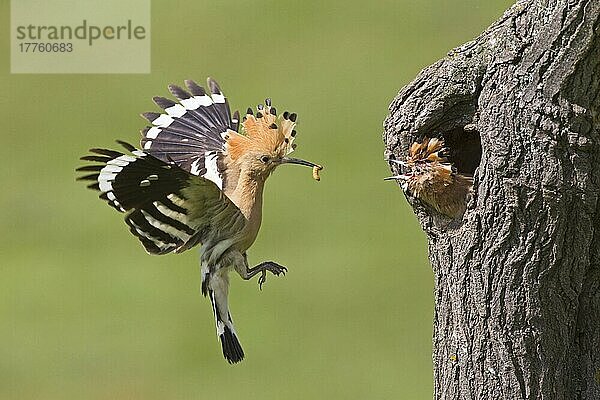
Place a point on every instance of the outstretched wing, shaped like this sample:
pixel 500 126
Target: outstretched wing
pixel 191 132
pixel 169 209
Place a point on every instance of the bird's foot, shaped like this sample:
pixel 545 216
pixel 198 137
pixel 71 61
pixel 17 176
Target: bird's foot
pixel 270 266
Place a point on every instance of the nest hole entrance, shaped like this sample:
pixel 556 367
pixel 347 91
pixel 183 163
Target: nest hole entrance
pixel 463 146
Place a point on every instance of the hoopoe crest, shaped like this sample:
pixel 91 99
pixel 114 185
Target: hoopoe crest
pixel 430 177
pixel 198 179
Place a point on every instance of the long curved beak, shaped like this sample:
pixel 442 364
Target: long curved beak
pixel 315 167
pixel 289 160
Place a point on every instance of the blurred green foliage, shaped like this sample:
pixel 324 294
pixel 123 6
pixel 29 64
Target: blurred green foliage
pixel 86 314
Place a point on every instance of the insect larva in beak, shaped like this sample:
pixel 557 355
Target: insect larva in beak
pixel 316 170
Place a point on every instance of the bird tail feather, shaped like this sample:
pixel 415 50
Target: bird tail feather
pixel 218 290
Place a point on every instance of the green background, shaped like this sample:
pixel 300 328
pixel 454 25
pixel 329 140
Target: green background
pixel 87 314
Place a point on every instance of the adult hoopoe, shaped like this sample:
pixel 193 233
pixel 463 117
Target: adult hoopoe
pixel 429 177
pixel 199 180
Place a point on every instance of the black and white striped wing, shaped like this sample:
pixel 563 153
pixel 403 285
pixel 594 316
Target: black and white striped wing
pixel 169 209
pixel 191 132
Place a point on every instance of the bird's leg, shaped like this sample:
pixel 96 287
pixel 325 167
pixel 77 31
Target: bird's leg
pixel 263 267
pixel 249 273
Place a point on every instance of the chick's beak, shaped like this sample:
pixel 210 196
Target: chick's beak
pixel 403 177
pixel 403 163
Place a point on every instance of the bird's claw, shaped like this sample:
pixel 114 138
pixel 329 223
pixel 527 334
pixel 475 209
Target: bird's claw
pixel 272 267
pixel 262 279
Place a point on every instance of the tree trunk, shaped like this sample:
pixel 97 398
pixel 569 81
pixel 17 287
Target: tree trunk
pixel 517 279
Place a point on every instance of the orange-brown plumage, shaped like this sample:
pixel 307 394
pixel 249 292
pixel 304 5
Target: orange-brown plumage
pixel 430 177
pixel 266 132
pixel 199 180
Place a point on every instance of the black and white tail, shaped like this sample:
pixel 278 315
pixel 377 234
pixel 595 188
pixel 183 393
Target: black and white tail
pixel 217 286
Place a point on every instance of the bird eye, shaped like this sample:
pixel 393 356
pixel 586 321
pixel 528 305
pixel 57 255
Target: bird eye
pixel 264 159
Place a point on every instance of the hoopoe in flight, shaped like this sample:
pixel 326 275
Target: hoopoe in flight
pixel 430 177
pixel 199 180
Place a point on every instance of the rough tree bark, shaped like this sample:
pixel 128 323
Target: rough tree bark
pixel 517 279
